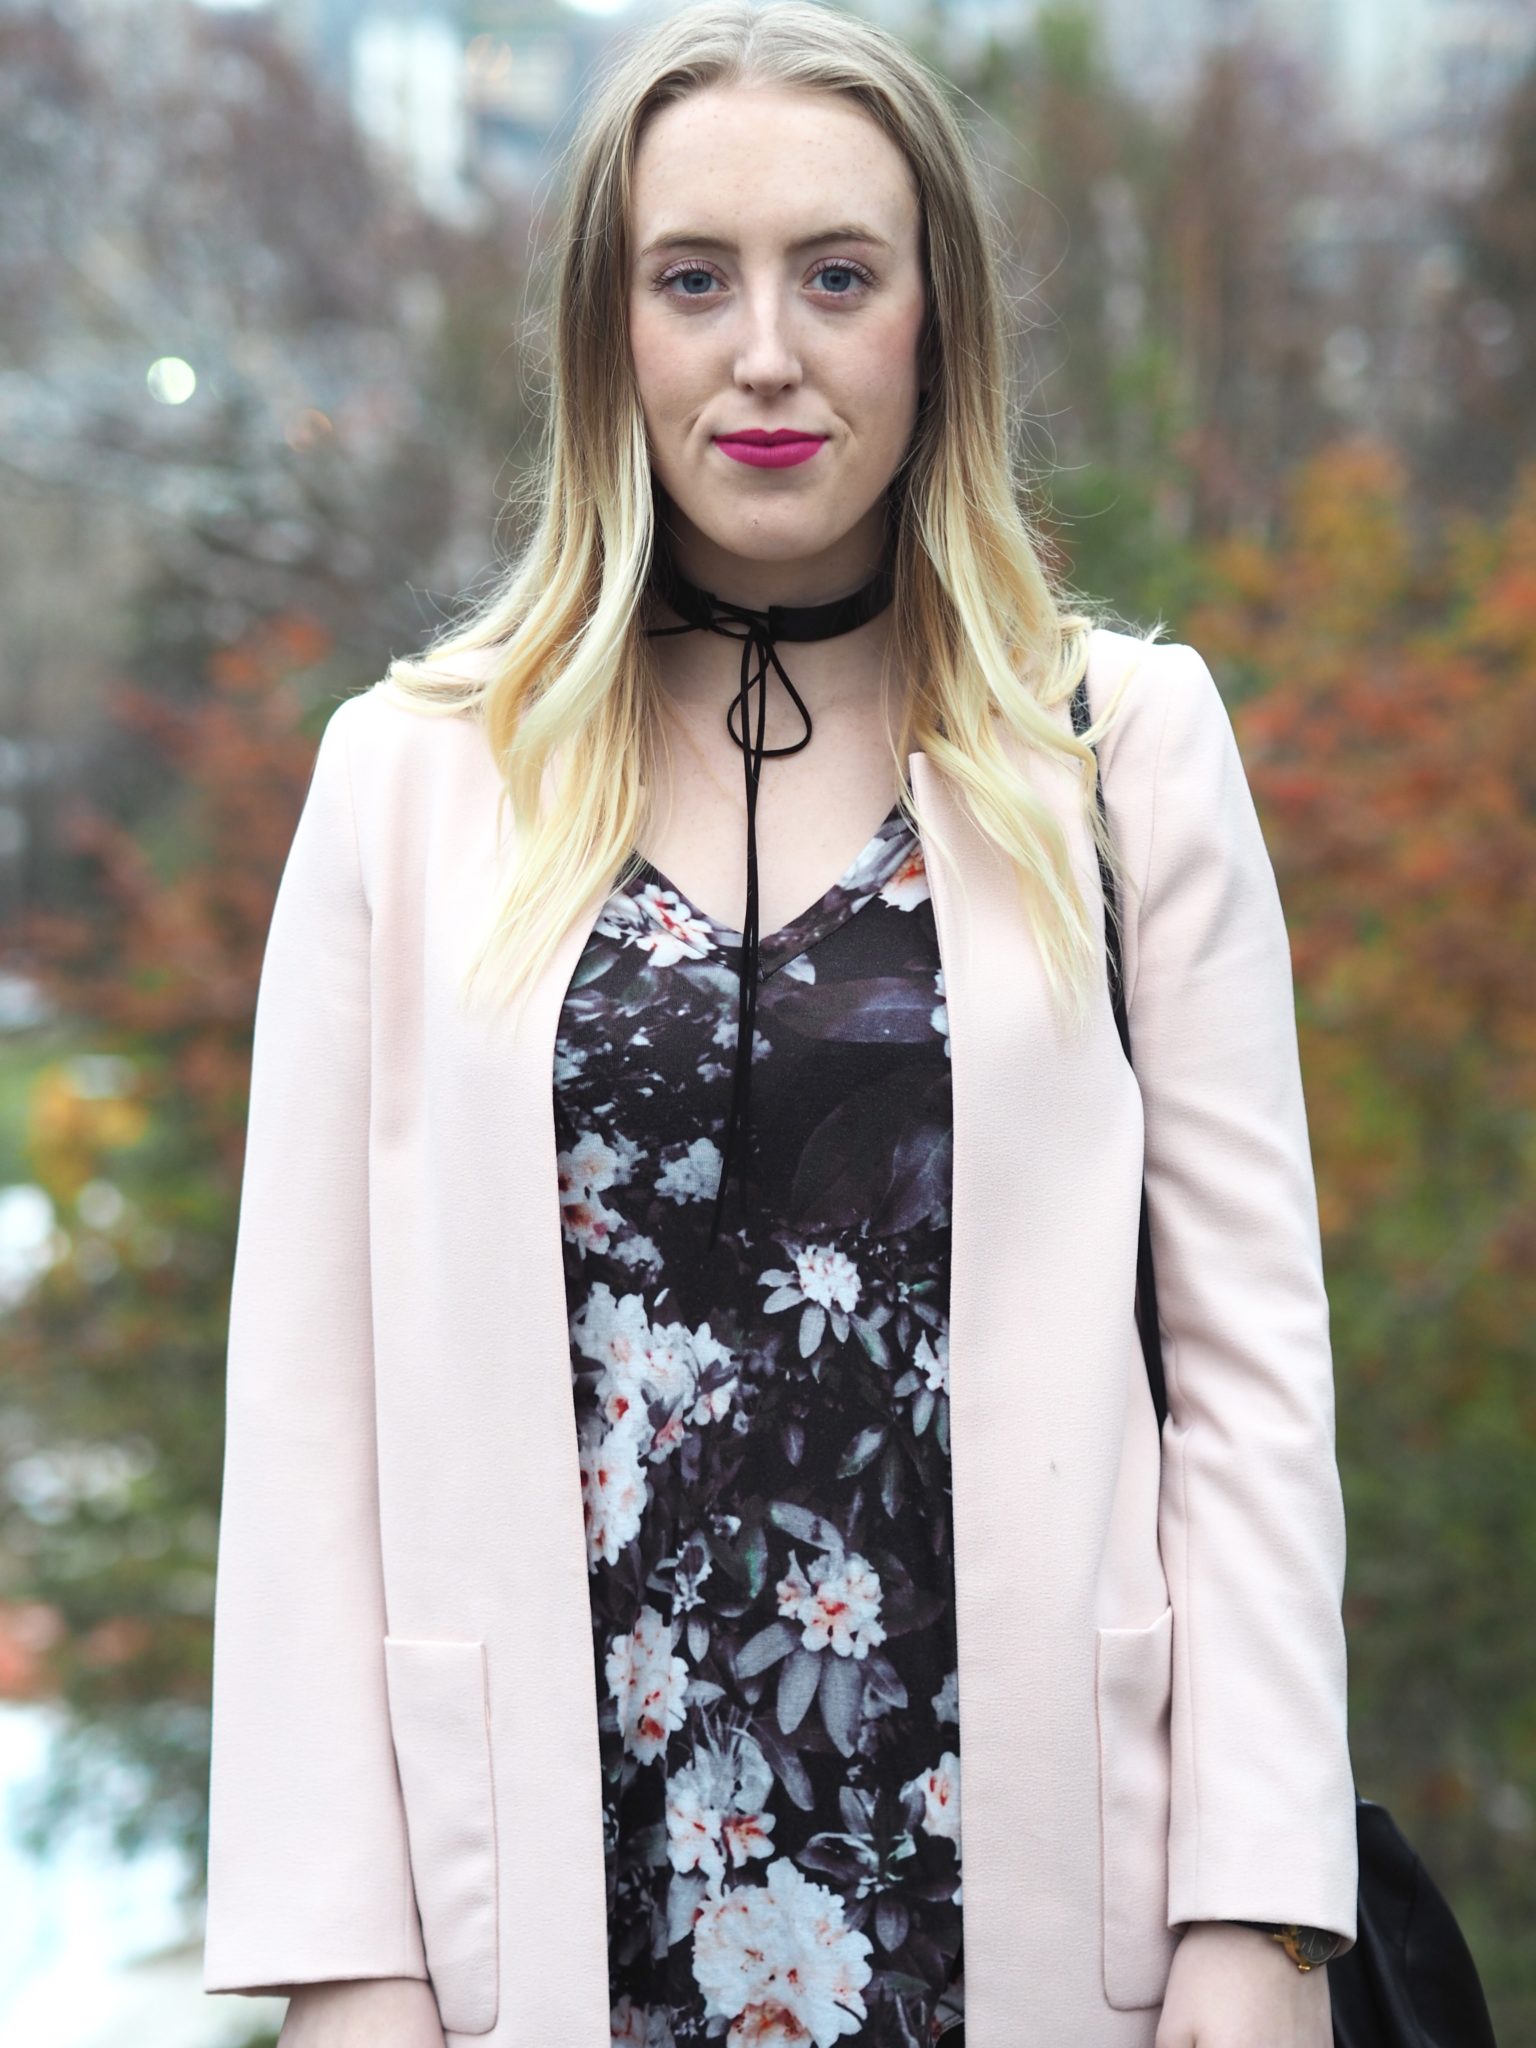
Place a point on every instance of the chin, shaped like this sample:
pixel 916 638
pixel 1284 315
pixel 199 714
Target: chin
pixel 782 530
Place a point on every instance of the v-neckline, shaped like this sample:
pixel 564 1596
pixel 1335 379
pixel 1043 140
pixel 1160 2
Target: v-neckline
pixel 775 948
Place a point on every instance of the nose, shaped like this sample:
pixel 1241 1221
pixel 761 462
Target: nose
pixel 767 358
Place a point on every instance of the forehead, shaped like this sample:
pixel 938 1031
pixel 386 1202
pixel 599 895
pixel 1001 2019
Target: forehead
pixel 770 164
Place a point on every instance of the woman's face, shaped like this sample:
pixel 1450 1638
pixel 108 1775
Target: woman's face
pixel 776 284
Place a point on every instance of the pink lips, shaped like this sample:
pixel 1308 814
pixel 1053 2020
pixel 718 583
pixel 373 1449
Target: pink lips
pixel 770 452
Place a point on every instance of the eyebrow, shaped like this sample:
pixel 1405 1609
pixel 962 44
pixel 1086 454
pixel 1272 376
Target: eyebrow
pixel 700 238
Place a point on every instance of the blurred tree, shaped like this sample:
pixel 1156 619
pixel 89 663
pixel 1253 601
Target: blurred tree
pixel 1207 300
pixel 1075 169
pixel 1496 309
pixel 1254 154
pixel 1181 292
pixel 1382 684
pixel 246 374
pixel 193 334
pixel 111 1432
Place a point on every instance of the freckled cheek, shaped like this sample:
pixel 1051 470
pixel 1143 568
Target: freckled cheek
pixel 886 376
pixel 883 409
pixel 665 374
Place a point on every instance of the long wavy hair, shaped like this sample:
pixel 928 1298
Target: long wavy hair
pixel 553 662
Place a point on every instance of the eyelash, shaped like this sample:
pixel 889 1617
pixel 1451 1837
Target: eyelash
pixel 678 270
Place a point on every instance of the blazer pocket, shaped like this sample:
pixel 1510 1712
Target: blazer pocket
pixel 1133 1687
pixel 439 1710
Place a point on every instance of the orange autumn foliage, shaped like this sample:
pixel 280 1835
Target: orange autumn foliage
pixel 1383 686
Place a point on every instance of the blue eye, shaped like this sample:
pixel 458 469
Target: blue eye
pixel 678 271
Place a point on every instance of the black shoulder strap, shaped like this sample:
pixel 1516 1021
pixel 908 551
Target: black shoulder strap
pixel 1146 1283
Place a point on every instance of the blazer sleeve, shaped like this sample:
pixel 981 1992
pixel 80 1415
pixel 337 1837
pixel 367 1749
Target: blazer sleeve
pixel 1251 1514
pixel 308 1872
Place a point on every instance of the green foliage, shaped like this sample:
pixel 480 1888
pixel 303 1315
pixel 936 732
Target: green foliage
pixel 1388 726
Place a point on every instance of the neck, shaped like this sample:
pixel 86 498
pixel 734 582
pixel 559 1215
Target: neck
pixel 701 671
pixel 835 572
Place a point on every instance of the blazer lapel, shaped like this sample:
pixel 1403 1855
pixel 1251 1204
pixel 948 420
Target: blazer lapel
pixel 1047 1158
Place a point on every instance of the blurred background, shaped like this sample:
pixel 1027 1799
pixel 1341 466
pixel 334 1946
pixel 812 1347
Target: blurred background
pixel 270 349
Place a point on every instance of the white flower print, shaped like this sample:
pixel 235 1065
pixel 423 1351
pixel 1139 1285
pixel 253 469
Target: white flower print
pixel 612 1486
pixel 940 1018
pixel 646 1366
pixel 570 1061
pixel 836 1605
pixel 822 1275
pixel 716 1810
pixel 714 1404
pixel 946 1701
pixel 855 879
pixel 908 886
pixel 824 1285
pixel 639 2026
pixel 591 1165
pixel 673 929
pixel 941 1797
pixel 615 1334
pixel 596 1163
pixel 620 917
pixel 587 1222
pixel 778 1960
pixel 669 1365
pixel 827 1276
pixel 932 1356
pixel 695 1177
pixel 637 1250
pixel 714 1401
pixel 649 1683
pixel 725 1034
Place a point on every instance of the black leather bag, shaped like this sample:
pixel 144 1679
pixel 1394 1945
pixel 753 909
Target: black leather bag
pixel 1409 1981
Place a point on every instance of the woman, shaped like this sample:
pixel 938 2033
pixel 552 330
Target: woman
pixel 684 1389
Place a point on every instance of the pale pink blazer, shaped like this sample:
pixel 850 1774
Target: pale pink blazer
pixel 1151 1651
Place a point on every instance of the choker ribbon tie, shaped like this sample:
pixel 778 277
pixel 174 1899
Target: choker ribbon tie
pixel 758 631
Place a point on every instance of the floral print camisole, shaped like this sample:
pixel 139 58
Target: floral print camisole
pixel 763 1430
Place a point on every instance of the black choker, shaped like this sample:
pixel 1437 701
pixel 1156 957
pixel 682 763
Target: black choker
pixel 758 631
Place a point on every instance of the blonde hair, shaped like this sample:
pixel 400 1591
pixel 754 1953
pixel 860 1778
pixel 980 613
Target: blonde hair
pixel 554 661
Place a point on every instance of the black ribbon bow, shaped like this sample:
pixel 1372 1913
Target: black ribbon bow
pixel 758 631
